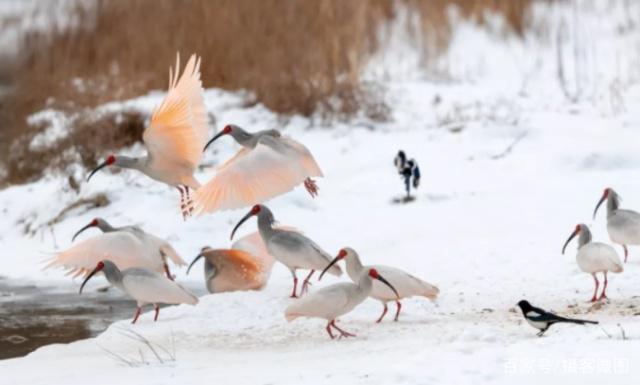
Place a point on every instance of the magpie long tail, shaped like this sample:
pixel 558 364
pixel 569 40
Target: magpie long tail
pixel 578 321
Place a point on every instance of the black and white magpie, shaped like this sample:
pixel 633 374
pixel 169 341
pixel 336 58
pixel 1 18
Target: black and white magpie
pixel 542 320
pixel 409 170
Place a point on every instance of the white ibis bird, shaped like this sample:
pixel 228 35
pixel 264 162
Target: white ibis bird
pixel 268 165
pixel 623 226
pixel 594 257
pixel 333 301
pixel 143 285
pixel 127 246
pixel 406 284
pixel 175 136
pixel 289 247
pixel 246 266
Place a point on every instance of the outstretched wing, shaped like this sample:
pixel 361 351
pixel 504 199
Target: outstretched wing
pixel 123 248
pixel 302 155
pixel 250 177
pixel 178 129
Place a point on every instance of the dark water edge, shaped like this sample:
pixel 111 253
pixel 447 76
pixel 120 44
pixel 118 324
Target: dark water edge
pixel 33 316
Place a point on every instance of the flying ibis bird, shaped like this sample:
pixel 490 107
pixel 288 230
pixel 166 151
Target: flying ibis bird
pixel 289 247
pixel 594 257
pixel 127 246
pixel 406 284
pixel 333 301
pixel 542 320
pixel 267 165
pixel 144 286
pixel 175 136
pixel 246 266
pixel 623 225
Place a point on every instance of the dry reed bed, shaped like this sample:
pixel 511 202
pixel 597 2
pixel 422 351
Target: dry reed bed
pixel 294 55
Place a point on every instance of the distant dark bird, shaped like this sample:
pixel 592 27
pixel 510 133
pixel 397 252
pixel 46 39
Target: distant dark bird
pixel 400 161
pixel 409 171
pixel 542 320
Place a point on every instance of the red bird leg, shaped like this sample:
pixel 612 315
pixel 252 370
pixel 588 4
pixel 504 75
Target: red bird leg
pixel 295 286
pixel 167 272
pixel 384 312
pixel 595 292
pixel 604 289
pixel 329 330
pixel 342 332
pixel 157 309
pixel 626 253
pixel 189 201
pixel 306 283
pixel 311 187
pixel 399 306
pixel 135 317
pixel 183 205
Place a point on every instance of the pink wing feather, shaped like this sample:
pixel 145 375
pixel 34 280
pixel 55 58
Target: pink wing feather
pixel 124 249
pixel 178 129
pixel 250 177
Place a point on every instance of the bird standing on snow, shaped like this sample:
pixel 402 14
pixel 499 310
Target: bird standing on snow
pixel 127 246
pixel 268 165
pixel 246 266
pixel 594 257
pixel 623 226
pixel 409 170
pixel 333 301
pixel 145 286
pixel 289 247
pixel 406 284
pixel 543 320
pixel 175 136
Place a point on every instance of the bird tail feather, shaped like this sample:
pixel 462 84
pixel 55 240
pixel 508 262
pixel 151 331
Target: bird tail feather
pixel 430 291
pixel 578 321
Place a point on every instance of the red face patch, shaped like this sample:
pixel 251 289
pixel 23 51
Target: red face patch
pixel 342 254
pixel 577 228
pixel 227 129
pixel 100 265
pixel 373 273
pixel 606 192
pixel 111 159
pixel 94 222
pixel 255 209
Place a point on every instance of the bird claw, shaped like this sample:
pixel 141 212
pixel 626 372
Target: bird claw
pixel 305 287
pixel 311 187
pixel 345 334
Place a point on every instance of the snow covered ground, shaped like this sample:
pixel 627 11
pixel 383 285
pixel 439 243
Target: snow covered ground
pixel 487 228
pixel 509 168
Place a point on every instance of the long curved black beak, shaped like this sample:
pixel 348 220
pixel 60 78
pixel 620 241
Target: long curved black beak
pixel 88 278
pixel 81 230
pixel 219 134
pixel 336 259
pixel 381 279
pixel 193 262
pixel 100 166
pixel 604 197
pixel 241 222
pixel 569 240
